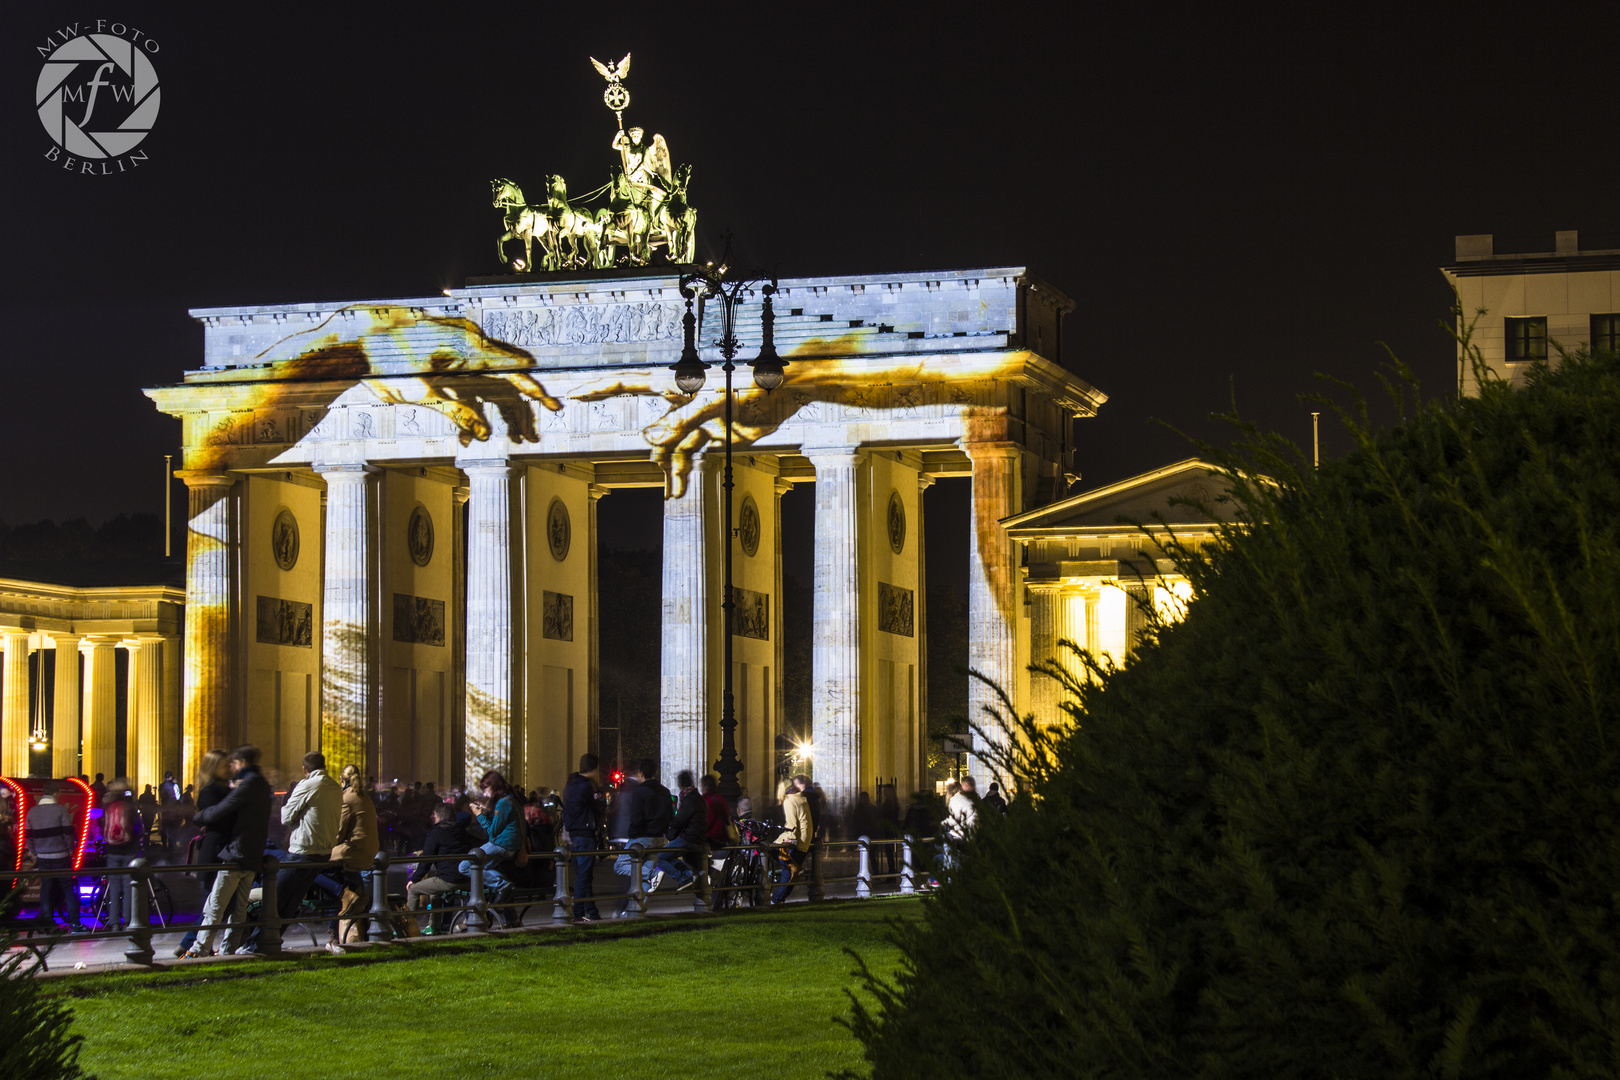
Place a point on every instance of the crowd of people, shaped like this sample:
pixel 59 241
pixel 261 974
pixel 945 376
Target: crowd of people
pixel 349 819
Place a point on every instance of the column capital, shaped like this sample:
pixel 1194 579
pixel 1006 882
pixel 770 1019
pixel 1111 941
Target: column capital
pixel 205 478
pixel 486 466
pixel 15 633
pixel 596 491
pixel 357 470
pixel 991 449
pixel 64 638
pixel 461 493
pixel 856 454
pixel 924 482
pixel 782 486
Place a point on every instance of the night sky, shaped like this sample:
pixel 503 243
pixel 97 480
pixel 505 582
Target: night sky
pixel 1235 201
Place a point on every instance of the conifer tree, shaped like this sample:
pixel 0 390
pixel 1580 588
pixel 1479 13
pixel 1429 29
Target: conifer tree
pixel 1354 816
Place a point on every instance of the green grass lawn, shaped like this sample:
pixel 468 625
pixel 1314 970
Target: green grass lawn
pixel 748 995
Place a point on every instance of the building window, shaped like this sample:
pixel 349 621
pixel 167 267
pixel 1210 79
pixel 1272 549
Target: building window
pixel 1527 339
pixel 1606 333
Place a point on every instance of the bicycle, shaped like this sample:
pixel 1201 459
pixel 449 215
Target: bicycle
pixel 745 874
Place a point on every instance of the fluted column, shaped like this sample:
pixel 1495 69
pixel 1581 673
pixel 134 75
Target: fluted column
pixel 835 657
pixel 65 708
pixel 172 732
pixel 455 760
pixel 1044 616
pixel 211 571
pixel 763 783
pixel 100 735
pixel 490 660
pixel 992 589
pixel 349 646
pixel 593 674
pixel 919 737
pixel 14 713
pixel 143 747
pixel 683 673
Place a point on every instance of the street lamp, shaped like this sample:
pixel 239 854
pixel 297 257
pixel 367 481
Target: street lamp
pixel 689 377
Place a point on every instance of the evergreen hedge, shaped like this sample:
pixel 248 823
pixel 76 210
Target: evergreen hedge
pixel 1354 816
pixel 34 1039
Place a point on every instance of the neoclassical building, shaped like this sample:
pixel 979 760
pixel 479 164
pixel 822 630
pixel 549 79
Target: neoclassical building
pixel 93 676
pixel 393 513
pixel 1096 562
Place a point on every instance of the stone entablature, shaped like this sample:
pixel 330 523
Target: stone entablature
pixel 64 609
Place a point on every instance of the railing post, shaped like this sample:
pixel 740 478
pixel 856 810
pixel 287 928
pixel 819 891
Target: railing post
pixel 638 888
pixel 562 904
pixel 478 917
pixel 700 891
pixel 381 928
pixel 139 950
pixel 269 910
pixel 863 875
pixel 908 884
pixel 816 888
pixel 767 876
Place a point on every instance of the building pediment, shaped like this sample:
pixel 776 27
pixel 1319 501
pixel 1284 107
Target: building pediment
pixel 1161 495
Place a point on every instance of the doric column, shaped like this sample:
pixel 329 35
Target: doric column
pixel 835 657
pixel 14 712
pixel 455 762
pixel 143 747
pixel 764 784
pixel 65 708
pixel 992 589
pixel 919 739
pixel 683 678
pixel 1045 692
pixel 491 665
pixel 349 646
pixel 593 674
pixel 172 735
pixel 100 737
pixel 211 572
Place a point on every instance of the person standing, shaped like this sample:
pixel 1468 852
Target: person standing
pixel 719 831
pixel 581 814
pixel 994 799
pixel 356 847
pixel 794 842
pixel 651 811
pixel 312 812
pixel 49 832
pixel 214 785
pixel 247 808
pixel 121 836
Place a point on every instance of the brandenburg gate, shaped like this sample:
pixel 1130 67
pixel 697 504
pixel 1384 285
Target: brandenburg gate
pixel 392 524
pixel 392 541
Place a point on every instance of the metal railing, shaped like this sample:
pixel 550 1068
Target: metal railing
pixel 270 924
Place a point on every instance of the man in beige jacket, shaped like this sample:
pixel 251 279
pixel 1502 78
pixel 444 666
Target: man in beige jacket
pixel 794 842
pixel 357 848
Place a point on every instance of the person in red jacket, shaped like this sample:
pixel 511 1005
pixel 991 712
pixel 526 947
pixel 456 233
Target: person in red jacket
pixel 719 834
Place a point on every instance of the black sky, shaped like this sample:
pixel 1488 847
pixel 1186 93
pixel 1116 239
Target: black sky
pixel 1234 199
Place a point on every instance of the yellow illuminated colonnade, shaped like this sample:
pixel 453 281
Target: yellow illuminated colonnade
pixel 1090 572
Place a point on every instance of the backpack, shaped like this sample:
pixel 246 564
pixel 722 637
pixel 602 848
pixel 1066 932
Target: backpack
pixel 118 823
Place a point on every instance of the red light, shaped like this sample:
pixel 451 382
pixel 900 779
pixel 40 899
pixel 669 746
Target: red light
pixel 618 778
pixel 84 822
pixel 22 818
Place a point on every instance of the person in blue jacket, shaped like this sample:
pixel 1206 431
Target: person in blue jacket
pixel 499 817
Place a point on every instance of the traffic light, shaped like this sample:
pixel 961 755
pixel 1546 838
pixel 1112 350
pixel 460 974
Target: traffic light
pixel 618 778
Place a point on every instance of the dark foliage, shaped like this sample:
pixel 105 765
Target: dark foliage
pixel 34 1039
pixel 1355 816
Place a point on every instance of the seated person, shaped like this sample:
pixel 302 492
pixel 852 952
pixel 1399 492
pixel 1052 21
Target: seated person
pixel 430 879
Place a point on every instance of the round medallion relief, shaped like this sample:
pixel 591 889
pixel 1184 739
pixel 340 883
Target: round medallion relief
pixel 897 523
pixel 284 539
pixel 419 536
pixel 748 526
pixel 558 532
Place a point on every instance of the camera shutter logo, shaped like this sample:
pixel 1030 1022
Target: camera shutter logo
pixel 98 96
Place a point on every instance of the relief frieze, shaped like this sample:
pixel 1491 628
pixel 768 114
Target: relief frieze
pixel 585 324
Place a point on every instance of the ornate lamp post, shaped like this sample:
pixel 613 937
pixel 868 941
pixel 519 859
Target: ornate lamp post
pixel 689 378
